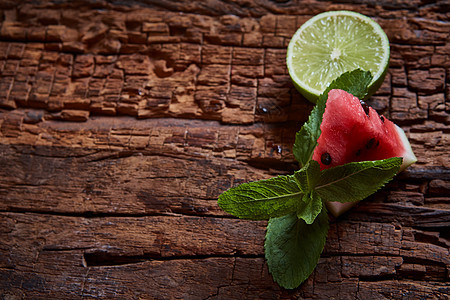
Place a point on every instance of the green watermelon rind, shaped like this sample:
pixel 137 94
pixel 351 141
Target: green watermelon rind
pixel 408 157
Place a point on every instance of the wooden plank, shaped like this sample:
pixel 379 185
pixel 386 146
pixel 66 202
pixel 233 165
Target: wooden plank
pixel 121 124
pixel 180 251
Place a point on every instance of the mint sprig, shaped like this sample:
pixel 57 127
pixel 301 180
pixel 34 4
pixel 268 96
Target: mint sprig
pixel 294 204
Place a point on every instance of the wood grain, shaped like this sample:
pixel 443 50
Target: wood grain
pixel 122 122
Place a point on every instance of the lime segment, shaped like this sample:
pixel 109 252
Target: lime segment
pixel 332 43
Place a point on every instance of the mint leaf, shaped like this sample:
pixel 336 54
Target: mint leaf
pixel 293 248
pixel 264 199
pixel 354 82
pixel 311 202
pixel 307 176
pixel 311 208
pixel 306 138
pixel 357 180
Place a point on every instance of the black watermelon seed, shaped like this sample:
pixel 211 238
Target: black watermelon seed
pixel 365 107
pixel 358 153
pixel 326 158
pixel 382 119
pixel 370 143
pixel 377 144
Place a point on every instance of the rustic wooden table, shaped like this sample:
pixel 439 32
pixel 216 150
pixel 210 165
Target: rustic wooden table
pixel 121 123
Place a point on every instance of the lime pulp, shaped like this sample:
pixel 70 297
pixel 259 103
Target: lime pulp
pixel 332 43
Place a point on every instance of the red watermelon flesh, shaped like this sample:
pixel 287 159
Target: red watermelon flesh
pixel 353 131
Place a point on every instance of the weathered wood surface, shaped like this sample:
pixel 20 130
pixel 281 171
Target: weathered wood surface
pixel 121 123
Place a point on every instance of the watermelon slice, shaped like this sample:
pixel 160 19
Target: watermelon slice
pixel 353 131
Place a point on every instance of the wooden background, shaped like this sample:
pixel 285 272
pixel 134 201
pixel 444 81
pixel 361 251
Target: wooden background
pixel 121 123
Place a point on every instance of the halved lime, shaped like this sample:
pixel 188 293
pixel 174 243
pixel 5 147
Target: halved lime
pixel 332 43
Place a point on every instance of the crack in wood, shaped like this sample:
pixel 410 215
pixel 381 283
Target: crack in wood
pixel 105 259
pixel 100 215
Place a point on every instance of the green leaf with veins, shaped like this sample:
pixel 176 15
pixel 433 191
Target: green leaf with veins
pixel 261 200
pixel 307 176
pixel 356 181
pixel 311 208
pixel 293 248
pixel 306 138
pixel 355 82
pixel 311 202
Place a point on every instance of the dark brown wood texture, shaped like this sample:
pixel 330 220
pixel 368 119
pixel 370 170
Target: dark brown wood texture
pixel 122 122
